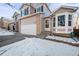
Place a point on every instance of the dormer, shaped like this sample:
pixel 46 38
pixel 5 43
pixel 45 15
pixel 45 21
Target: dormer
pixel 26 9
pixel 42 7
pixel 30 8
pixel 16 16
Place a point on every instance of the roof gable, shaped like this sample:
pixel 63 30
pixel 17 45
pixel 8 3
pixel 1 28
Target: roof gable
pixel 26 4
pixel 15 14
pixel 70 8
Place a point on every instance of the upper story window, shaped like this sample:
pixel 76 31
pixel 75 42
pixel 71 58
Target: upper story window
pixel 54 22
pixel 39 9
pixel 22 12
pixel 69 20
pixel 25 12
pixel 35 11
pixel 61 20
pixel 15 18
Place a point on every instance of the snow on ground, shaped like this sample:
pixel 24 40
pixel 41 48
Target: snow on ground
pixel 61 38
pixel 36 46
pixel 4 32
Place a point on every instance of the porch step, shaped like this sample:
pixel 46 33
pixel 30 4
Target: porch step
pixel 44 34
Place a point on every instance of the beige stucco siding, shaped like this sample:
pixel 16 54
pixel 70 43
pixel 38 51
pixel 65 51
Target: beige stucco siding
pixel 28 21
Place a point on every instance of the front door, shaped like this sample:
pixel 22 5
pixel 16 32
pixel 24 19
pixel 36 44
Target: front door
pixel 47 25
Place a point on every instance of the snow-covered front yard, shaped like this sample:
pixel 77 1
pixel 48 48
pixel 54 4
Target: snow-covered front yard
pixel 61 38
pixel 4 32
pixel 36 46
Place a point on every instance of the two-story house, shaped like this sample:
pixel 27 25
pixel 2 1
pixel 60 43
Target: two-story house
pixel 32 18
pixel 4 22
pixel 36 18
pixel 1 22
pixel 15 23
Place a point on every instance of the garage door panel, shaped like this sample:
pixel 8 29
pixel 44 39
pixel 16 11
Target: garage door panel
pixel 28 29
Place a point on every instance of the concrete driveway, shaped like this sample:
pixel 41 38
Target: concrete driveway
pixel 8 37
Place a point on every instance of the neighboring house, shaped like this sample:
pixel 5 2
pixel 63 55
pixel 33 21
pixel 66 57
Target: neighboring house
pixel 5 22
pixel 32 18
pixel 15 24
pixel 1 22
pixel 64 19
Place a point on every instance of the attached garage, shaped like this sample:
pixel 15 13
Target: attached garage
pixel 28 29
pixel 31 24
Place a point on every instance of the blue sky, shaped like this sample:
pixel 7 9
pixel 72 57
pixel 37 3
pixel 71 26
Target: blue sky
pixel 7 11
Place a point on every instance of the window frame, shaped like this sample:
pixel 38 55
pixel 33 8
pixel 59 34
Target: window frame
pixel 60 23
pixel 40 9
pixel 25 11
pixel 70 20
pixel 54 20
pixel 46 23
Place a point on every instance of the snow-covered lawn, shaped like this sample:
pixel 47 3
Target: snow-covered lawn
pixel 4 32
pixel 36 46
pixel 61 38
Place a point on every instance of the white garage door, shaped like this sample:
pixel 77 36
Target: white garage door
pixel 28 29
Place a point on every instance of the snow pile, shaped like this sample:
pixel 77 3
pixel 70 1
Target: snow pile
pixel 5 32
pixel 61 38
pixel 36 46
pixel 76 42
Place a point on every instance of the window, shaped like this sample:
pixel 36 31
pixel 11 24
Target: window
pixel 35 10
pixel 69 20
pixel 15 18
pixel 47 24
pixel 54 22
pixel 25 12
pixel 39 9
pixel 61 20
pixel 21 13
